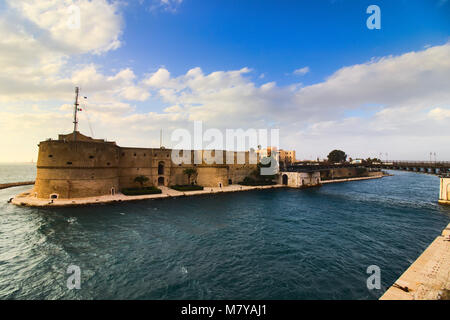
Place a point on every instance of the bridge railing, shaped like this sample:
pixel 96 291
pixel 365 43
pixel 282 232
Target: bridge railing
pixel 415 163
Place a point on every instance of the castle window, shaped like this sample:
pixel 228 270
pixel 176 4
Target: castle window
pixel 123 154
pixel 145 155
pixel 91 157
pixel 161 167
pixel 108 164
pixel 68 162
pixel 135 154
pixel 50 156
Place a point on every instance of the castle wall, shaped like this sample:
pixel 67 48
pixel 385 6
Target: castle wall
pixel 76 169
pixel 88 167
pixel 212 176
pixel 144 161
pixel 343 173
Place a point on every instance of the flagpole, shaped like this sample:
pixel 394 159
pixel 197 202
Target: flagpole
pixel 75 118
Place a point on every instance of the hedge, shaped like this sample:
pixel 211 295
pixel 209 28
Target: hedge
pixel 187 187
pixel 140 191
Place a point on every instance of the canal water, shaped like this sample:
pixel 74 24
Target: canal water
pixel 272 244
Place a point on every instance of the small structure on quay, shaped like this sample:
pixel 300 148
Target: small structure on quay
pixel 444 190
pixel 299 179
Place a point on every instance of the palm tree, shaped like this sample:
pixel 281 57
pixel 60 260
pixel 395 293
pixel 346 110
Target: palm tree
pixel 141 180
pixel 190 172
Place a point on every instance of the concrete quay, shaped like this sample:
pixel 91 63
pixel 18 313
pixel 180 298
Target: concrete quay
pixel 25 199
pixel 428 278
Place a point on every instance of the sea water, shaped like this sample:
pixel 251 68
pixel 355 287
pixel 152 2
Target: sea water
pixel 269 244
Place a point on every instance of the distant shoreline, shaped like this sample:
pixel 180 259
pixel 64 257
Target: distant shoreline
pixel 15 184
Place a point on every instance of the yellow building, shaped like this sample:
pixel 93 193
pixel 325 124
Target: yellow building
pixel 285 156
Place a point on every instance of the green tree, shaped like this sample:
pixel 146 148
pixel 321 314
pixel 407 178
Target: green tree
pixel 190 172
pixel 337 156
pixel 141 180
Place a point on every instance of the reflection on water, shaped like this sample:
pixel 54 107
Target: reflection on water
pixel 272 244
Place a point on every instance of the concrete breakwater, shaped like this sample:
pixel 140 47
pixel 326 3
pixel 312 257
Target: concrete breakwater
pixel 15 184
pixel 428 278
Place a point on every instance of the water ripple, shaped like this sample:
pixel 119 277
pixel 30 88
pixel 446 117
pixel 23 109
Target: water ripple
pixel 274 244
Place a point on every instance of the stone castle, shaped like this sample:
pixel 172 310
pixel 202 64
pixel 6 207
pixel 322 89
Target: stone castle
pixel 77 166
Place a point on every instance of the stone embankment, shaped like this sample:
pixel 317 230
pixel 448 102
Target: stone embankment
pixel 26 199
pixel 428 278
pixel 374 176
pixel 15 184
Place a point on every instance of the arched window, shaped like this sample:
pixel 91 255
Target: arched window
pixel 285 179
pixel 161 168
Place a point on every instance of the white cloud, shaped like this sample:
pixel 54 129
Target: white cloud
pixel 99 29
pixel 36 91
pixel 301 71
pixel 440 114
pixel 37 43
pixel 164 5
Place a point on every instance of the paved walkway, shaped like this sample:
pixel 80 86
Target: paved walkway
pixel 428 278
pixel 26 199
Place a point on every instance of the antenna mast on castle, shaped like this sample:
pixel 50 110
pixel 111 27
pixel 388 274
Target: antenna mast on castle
pixel 75 118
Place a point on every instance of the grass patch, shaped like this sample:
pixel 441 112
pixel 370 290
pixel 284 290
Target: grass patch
pixel 140 191
pixel 187 187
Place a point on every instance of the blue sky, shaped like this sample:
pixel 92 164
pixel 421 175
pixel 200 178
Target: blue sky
pixel 151 64
pixel 274 37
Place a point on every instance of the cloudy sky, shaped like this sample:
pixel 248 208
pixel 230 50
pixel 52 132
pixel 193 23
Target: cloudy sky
pixel 310 68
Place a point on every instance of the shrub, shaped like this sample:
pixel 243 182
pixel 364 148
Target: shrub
pixel 140 191
pixel 141 180
pixel 187 187
pixel 248 181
